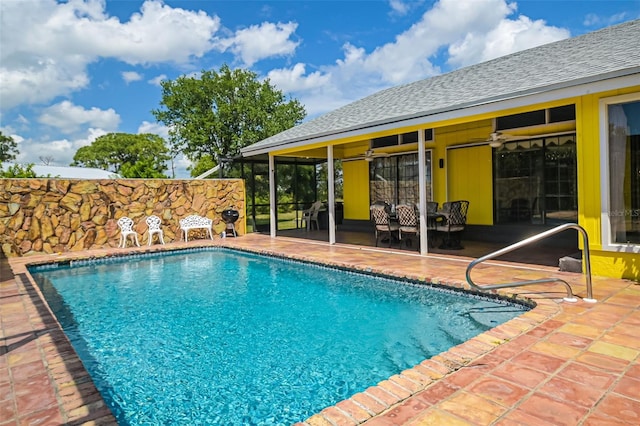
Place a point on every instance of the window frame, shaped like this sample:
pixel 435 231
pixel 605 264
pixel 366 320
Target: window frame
pixel 605 184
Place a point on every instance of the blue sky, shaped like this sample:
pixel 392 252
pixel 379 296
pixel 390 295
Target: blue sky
pixel 73 71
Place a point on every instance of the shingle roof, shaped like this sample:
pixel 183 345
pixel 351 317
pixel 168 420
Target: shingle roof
pixel 600 55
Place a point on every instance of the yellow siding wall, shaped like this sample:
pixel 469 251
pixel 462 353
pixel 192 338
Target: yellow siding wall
pixel 588 153
pixel 603 263
pixel 356 190
pixel 469 177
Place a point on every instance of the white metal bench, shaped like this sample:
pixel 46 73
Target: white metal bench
pixel 195 222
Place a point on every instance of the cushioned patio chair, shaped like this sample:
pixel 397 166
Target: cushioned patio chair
pixel 453 224
pixel 408 223
pixel 154 223
pixel 383 224
pixel 126 230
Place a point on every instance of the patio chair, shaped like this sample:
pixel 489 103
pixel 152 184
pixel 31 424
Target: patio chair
pixel 382 223
pixel 310 215
pixel 453 223
pixel 407 222
pixel 154 223
pixel 126 230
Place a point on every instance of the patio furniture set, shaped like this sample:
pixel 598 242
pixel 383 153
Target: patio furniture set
pixel 400 223
pixel 154 225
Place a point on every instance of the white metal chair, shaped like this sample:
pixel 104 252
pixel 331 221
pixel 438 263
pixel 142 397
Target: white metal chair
pixel 155 227
pixel 126 229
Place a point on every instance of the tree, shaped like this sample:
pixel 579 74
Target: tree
pixel 131 156
pixel 46 160
pixel 8 148
pixel 202 165
pixel 220 112
pixel 18 171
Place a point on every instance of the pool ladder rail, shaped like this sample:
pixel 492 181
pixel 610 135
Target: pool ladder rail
pixel 570 297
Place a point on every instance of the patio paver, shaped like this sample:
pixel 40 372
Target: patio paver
pixel 559 363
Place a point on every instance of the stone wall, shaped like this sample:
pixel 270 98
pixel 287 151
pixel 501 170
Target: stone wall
pixel 59 215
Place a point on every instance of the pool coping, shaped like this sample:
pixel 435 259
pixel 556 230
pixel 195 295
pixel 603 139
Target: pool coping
pixel 73 399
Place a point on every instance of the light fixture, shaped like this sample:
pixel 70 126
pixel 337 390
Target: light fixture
pixel 495 144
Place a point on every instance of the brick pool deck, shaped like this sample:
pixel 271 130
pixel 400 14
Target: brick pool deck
pixel 558 364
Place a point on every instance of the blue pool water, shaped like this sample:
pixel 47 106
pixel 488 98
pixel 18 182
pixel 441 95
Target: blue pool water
pixel 224 337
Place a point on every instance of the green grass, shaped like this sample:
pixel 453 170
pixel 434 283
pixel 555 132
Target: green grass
pixel 285 220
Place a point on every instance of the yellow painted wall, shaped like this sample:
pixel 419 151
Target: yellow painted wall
pixel 356 190
pixel 603 263
pixel 469 177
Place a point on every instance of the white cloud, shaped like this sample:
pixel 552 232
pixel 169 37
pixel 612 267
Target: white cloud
pixel 507 37
pixel 70 118
pixel 468 31
pixel 47 46
pixel 154 128
pixel 294 79
pixel 262 41
pixel 129 76
pixel 593 20
pixel 156 80
pixel 399 7
pixel 60 150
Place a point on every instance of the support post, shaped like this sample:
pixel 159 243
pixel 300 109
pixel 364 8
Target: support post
pixel 422 190
pixel 272 196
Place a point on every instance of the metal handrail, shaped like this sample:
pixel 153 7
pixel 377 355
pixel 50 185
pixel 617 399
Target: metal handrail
pixel 538 237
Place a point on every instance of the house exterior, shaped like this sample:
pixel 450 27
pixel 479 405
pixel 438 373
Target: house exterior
pixel 534 139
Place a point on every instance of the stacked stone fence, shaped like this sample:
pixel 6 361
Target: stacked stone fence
pixel 59 215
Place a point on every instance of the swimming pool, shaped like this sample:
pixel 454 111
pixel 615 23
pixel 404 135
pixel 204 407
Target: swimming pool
pixel 219 336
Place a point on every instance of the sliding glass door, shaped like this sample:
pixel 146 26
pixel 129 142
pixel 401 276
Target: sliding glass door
pixel 394 179
pixel 535 181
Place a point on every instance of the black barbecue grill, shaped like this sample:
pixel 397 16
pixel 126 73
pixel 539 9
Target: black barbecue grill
pixel 230 216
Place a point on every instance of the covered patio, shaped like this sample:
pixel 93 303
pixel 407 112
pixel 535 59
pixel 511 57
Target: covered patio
pixel 527 154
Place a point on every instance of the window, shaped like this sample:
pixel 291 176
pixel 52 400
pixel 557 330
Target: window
pixel 537 118
pixel 536 181
pixel 524 119
pixel 620 164
pixel 404 138
pixel 384 141
pixel 395 179
pixel 563 113
pixel 411 137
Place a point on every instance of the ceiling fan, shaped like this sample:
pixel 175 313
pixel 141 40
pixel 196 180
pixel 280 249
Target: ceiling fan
pixel 496 139
pixel 368 155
